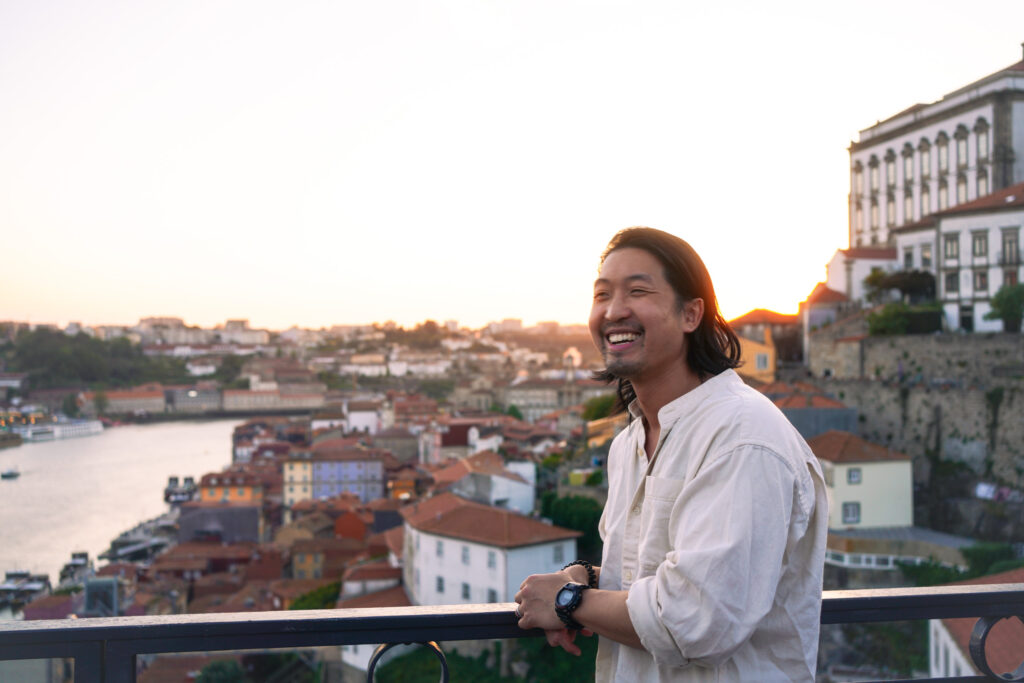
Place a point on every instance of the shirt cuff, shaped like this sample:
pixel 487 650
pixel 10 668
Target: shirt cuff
pixel 645 613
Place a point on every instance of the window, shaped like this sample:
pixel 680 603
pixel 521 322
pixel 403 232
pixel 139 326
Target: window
pixel 943 144
pixel 961 189
pixel 874 214
pixel 908 258
pixel 439 550
pixel 492 595
pixel 982 183
pixel 465 554
pixel 908 207
pixel 558 554
pixel 961 150
pixel 926 256
pixel 943 195
pixel 241 491
pixel 1010 277
pixel 979 244
pixel 762 361
pixel 951 246
pixel 873 173
pixel 1011 247
pixel 983 144
pixel 908 165
pixel 440 584
pixel 858 179
pixel 853 475
pixel 980 281
pixel 926 201
pixel 890 211
pixel 926 159
pixel 953 282
pixel 491 559
pixel 890 169
pixel 851 513
pixel 858 219
pixel 465 591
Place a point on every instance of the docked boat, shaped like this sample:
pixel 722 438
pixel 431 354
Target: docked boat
pixel 176 493
pixel 10 474
pixel 20 587
pixel 62 429
pixel 77 570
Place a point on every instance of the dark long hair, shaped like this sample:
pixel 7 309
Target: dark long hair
pixel 713 347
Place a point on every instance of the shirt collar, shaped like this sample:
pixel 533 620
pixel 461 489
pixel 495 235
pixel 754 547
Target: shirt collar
pixel 685 404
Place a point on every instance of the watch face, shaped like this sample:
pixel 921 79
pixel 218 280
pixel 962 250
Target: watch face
pixel 564 597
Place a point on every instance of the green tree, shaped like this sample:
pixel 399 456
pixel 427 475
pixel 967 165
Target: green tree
pixel 1008 306
pixel 598 407
pixel 578 513
pixel 69 406
pixel 514 412
pixel 874 285
pixel 222 671
pixel 100 401
pixel 229 369
pixel 324 597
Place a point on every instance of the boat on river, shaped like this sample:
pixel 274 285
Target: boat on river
pixel 20 587
pixel 61 429
pixel 10 474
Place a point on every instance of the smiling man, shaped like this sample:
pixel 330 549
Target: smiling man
pixel 714 529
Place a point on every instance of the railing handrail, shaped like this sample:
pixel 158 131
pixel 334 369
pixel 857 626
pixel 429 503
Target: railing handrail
pixel 105 648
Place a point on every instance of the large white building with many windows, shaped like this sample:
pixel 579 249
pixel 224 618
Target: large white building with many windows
pixel 935 156
pixel 972 250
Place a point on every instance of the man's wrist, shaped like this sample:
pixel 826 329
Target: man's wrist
pixel 577 574
pixel 589 575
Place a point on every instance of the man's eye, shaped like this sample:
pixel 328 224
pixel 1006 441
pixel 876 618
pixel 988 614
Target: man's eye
pixel 600 296
pixel 638 292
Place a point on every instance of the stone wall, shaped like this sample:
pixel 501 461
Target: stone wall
pixel 980 426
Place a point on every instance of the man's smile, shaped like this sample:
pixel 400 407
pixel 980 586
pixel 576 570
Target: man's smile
pixel 620 340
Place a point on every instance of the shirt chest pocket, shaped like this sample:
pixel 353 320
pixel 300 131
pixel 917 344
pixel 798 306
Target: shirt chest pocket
pixel 660 496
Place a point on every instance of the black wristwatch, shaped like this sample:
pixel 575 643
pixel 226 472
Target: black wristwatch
pixel 567 600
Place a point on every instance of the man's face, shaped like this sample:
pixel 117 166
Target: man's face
pixel 635 319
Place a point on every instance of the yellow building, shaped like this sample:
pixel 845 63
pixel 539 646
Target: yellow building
pixel 231 487
pixel 758 358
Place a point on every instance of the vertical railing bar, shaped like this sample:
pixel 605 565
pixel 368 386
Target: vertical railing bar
pixel 88 658
pixel 119 661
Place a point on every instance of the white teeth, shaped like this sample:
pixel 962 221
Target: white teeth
pixel 622 337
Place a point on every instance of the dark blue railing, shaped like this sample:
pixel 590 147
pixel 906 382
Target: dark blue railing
pixel 105 649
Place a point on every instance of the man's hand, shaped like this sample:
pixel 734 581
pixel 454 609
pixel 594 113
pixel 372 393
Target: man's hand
pixel 536 599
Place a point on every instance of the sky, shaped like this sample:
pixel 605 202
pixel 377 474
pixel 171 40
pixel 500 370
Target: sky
pixel 319 163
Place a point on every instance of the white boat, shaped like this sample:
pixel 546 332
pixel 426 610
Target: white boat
pixel 64 429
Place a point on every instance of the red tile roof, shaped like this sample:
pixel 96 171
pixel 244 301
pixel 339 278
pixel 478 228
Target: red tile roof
pixel 390 597
pixel 823 295
pixel 1011 197
pixel 373 571
pixel 807 401
pixel 762 316
pixel 449 515
pixel 844 447
pixel 876 253
pixel 1003 645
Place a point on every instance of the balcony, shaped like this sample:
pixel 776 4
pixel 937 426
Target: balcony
pixel 104 650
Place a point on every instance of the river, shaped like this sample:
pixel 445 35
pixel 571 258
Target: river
pixel 79 494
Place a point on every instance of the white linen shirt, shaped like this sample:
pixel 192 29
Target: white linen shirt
pixel 720 543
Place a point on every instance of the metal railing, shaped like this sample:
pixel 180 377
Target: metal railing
pixel 105 649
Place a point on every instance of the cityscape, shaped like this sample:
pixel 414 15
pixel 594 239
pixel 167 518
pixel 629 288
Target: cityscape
pixel 235 468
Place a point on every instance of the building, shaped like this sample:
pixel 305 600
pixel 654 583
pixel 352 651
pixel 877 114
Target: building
pixel 949 639
pixel 972 250
pixel 868 485
pixel 931 157
pixel 758 360
pixel 231 487
pixel 458 551
pixel 784 328
pixel 847 269
pixel 329 472
pixel 485 478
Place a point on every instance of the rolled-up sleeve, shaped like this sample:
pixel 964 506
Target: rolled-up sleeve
pixel 728 532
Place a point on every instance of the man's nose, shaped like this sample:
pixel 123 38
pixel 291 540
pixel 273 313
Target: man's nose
pixel 617 308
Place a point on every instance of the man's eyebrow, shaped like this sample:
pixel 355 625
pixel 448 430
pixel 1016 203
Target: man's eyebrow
pixel 642 277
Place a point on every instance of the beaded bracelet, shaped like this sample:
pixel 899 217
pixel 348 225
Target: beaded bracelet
pixel 591 574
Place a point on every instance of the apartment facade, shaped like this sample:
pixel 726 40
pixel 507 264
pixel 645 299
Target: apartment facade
pixel 935 156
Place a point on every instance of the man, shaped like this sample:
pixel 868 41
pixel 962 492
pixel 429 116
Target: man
pixel 714 529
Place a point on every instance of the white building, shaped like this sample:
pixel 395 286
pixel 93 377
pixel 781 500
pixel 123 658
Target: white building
pixel 868 485
pixel 934 156
pixel 846 271
pixel 458 551
pixel 972 250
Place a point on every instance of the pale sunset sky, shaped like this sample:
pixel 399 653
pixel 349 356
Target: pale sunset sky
pixel 335 162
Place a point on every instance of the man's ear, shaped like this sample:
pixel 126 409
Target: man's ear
pixel 693 313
